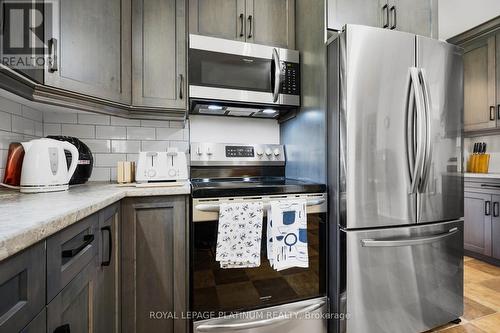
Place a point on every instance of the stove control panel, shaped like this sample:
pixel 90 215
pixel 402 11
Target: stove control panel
pixel 229 154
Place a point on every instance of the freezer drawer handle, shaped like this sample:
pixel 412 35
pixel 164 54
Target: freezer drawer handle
pixel 215 208
pixel 259 323
pixel 408 241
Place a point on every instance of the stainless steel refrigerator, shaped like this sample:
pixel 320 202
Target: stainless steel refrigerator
pixel 395 106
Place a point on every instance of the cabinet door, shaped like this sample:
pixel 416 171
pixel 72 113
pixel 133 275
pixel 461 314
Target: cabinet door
pixel 479 85
pixel 495 227
pixel 107 296
pixel 37 325
pixel 478 211
pixel 417 17
pixel 159 53
pixel 91 48
pixel 364 12
pixel 218 18
pixel 71 309
pixel 155 261
pixel 271 22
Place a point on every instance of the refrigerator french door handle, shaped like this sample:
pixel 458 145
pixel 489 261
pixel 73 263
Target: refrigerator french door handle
pixel 259 323
pixel 427 125
pixel 408 241
pixel 420 144
pixel 410 130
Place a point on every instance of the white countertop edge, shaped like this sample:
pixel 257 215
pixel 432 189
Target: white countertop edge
pixel 22 237
pixel 482 175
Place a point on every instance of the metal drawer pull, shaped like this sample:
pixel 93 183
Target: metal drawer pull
pixel 215 208
pixel 63 329
pixel 490 185
pixel 408 241
pixel 260 323
pixel 87 239
pixel 110 246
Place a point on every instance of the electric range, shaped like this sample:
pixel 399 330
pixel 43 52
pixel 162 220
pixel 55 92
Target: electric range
pixel 223 173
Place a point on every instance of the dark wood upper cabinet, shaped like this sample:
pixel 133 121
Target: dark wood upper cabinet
pixel 90 43
pixel 159 45
pixel 254 21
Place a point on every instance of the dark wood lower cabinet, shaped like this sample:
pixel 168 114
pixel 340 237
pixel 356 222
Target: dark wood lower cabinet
pixel 37 325
pixel 154 264
pixel 107 290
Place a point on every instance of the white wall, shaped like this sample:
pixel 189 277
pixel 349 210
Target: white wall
pixel 457 16
pixel 233 130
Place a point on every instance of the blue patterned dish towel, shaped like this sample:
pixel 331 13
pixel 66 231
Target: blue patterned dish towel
pixel 239 234
pixel 287 234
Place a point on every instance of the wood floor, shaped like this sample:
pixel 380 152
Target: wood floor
pixel 481 299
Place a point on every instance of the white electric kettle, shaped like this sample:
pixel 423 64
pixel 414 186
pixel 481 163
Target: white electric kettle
pixel 44 165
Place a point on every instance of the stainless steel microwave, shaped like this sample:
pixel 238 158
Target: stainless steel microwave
pixel 233 71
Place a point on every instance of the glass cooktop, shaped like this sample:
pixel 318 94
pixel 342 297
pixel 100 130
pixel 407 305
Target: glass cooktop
pixel 225 187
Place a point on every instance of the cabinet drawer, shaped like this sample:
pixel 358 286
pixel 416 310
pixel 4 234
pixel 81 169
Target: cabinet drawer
pixel 72 309
pixel 22 288
pixel 69 251
pixel 37 325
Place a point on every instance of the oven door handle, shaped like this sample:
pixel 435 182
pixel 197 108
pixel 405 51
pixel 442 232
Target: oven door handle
pixel 215 207
pixel 260 323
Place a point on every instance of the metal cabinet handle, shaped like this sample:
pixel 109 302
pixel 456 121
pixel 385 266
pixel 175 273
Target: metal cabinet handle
pixel 385 16
pixel 181 86
pixel 491 186
pixel 408 241
pixel 260 323
pixel 52 55
pixel 495 209
pixel 63 329
pixel 110 246
pixel 492 113
pixel 487 208
pixel 498 111
pixel 250 30
pixel 241 22
pixel 87 240
pixel 394 20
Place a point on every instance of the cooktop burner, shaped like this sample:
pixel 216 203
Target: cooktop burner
pixel 230 187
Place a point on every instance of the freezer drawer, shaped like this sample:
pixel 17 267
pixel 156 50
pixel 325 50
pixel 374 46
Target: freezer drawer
pixel 406 279
pixel 298 317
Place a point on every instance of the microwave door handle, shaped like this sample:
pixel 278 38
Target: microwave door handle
pixel 260 323
pixel 275 75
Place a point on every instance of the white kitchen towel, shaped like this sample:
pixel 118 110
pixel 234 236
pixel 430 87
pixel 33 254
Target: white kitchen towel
pixel 239 234
pixel 287 234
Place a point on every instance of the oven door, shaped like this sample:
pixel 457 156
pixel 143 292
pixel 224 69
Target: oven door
pixel 217 290
pixel 235 71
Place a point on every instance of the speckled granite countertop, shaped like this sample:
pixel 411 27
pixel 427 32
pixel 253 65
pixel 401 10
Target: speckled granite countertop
pixel 26 219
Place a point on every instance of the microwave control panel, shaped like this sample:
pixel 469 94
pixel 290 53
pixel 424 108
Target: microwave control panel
pixel 290 79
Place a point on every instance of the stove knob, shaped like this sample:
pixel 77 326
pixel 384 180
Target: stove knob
pixel 199 151
pixel 276 152
pixel 209 151
pixel 260 152
pixel 172 173
pixel 268 151
pixel 151 173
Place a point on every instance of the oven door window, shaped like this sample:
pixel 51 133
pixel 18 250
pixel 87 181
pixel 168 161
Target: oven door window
pixel 243 289
pixel 222 70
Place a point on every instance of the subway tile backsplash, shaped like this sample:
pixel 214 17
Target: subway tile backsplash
pixel 109 138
